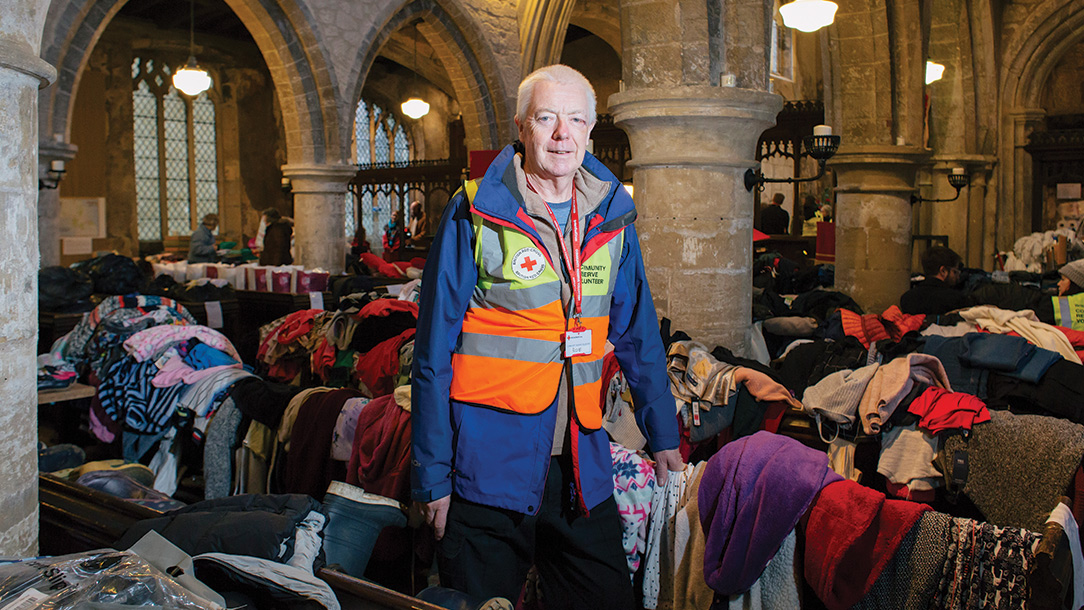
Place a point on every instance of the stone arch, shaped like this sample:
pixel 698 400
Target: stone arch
pixel 1049 31
pixel 283 33
pixel 482 97
pixel 542 27
pixel 603 19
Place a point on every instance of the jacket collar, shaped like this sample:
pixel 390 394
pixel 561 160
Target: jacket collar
pixel 499 197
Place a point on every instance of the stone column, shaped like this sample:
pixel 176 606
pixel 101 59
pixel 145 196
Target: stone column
pixel 319 193
pixel 49 200
pixel 22 73
pixel 691 146
pixel 873 222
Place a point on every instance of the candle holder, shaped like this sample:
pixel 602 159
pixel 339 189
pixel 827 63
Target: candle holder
pixel 955 180
pixel 820 148
pixel 52 176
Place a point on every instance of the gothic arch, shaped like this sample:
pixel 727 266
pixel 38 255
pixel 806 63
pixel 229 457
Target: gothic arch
pixel 478 88
pixel 282 31
pixel 1048 31
pixel 603 19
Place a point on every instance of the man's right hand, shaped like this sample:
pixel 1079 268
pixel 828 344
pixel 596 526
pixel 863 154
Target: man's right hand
pixel 436 514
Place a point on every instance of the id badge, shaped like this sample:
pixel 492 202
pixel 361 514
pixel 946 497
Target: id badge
pixel 578 343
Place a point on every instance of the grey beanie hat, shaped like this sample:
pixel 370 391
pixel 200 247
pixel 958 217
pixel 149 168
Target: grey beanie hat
pixel 1074 271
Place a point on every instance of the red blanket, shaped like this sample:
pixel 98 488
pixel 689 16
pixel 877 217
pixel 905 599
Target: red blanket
pixel 851 533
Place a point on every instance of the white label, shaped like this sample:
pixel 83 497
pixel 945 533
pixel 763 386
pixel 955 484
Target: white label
pixel 31 598
pixel 316 300
pixel 578 343
pixel 214 313
pixel 76 245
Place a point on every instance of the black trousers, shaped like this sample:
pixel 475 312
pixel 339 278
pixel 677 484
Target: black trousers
pixel 487 551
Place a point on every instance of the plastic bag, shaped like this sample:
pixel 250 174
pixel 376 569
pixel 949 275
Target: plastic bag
pixel 103 578
pixel 64 290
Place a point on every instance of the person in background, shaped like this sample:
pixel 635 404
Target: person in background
pixel 277 240
pixel 201 248
pixel 774 220
pixel 267 217
pixel 535 267
pixel 360 244
pixel 824 213
pixel 419 224
pixel 936 294
pixel 1072 278
pixel 394 237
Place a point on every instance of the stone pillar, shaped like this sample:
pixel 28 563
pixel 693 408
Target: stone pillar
pixel 319 193
pixel 22 73
pixel 691 146
pixel 873 222
pixel 49 200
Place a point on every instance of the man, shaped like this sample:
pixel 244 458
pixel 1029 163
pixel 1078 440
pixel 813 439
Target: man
pixel 936 294
pixel 201 246
pixel 533 269
pixel 774 220
pixel 418 228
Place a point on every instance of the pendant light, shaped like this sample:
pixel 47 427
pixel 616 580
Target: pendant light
pixel 415 107
pixel 192 80
pixel 808 15
pixel 934 71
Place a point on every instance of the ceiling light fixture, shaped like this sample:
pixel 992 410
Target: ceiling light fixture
pixel 934 71
pixel 808 15
pixel 192 80
pixel 415 107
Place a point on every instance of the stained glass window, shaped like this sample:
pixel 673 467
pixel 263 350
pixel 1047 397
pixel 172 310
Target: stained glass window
pixel 176 162
pixel 378 138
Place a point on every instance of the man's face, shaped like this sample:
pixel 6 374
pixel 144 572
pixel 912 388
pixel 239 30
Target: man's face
pixel 555 131
pixel 950 276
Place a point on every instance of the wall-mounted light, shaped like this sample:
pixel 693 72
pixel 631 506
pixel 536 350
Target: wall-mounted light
pixel 287 186
pixel 821 146
pixel 808 15
pixel 53 176
pixel 192 80
pixel 934 71
pixel 415 107
pixel 957 179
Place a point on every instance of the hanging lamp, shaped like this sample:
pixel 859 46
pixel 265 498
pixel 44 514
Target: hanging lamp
pixel 192 80
pixel 808 15
pixel 934 71
pixel 415 107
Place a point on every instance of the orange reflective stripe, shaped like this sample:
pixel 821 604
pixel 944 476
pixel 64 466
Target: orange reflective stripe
pixel 520 387
pixel 544 323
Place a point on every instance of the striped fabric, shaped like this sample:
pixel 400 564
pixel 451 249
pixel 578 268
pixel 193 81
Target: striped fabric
pixel 127 395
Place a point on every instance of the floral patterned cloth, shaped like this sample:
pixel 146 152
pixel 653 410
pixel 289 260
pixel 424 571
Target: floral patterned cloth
pixel 634 484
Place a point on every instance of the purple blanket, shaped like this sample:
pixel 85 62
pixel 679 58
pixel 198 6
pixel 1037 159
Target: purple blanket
pixel 752 494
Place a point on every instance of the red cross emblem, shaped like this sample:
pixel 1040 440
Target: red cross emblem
pixel 528 264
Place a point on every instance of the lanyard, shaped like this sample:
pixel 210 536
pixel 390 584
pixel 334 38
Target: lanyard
pixel 571 263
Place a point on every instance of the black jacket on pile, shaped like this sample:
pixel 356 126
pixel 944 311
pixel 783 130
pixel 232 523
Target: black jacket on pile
pixel 932 296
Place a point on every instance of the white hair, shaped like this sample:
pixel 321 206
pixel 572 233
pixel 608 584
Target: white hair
pixel 557 73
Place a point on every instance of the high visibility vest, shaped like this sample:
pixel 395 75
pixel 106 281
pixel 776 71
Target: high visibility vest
pixel 510 353
pixel 1069 311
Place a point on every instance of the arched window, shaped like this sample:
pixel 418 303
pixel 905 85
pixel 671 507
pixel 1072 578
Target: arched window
pixel 176 162
pixel 378 138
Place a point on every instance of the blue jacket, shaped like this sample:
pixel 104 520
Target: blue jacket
pixel 499 458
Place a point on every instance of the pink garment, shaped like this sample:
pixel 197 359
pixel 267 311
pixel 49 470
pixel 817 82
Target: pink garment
pixel 176 371
pixel 148 343
pixel 940 410
pixel 892 382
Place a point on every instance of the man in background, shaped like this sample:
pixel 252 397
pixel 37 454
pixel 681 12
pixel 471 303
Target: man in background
pixel 774 220
pixel 201 247
pixel 937 294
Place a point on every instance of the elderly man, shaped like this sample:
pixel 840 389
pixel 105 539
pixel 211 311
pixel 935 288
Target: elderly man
pixel 535 268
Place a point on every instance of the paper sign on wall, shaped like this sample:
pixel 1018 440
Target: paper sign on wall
pixel 77 245
pixel 316 300
pixel 214 314
pixel 1068 190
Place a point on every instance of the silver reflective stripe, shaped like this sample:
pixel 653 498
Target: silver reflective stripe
pixel 597 305
pixel 615 245
pixel 511 348
pixel 1066 312
pixel 500 295
pixel 492 253
pixel 586 372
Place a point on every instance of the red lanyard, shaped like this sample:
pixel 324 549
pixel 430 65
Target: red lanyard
pixel 571 263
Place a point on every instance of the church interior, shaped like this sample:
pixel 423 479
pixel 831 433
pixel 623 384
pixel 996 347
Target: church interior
pixel 953 123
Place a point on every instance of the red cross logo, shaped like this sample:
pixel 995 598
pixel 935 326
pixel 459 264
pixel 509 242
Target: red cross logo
pixel 528 264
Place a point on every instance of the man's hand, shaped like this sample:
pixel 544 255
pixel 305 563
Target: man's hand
pixel 665 461
pixel 436 514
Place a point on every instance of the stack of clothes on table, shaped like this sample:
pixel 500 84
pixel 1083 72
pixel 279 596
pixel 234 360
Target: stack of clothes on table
pixel 157 373
pixel 362 345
